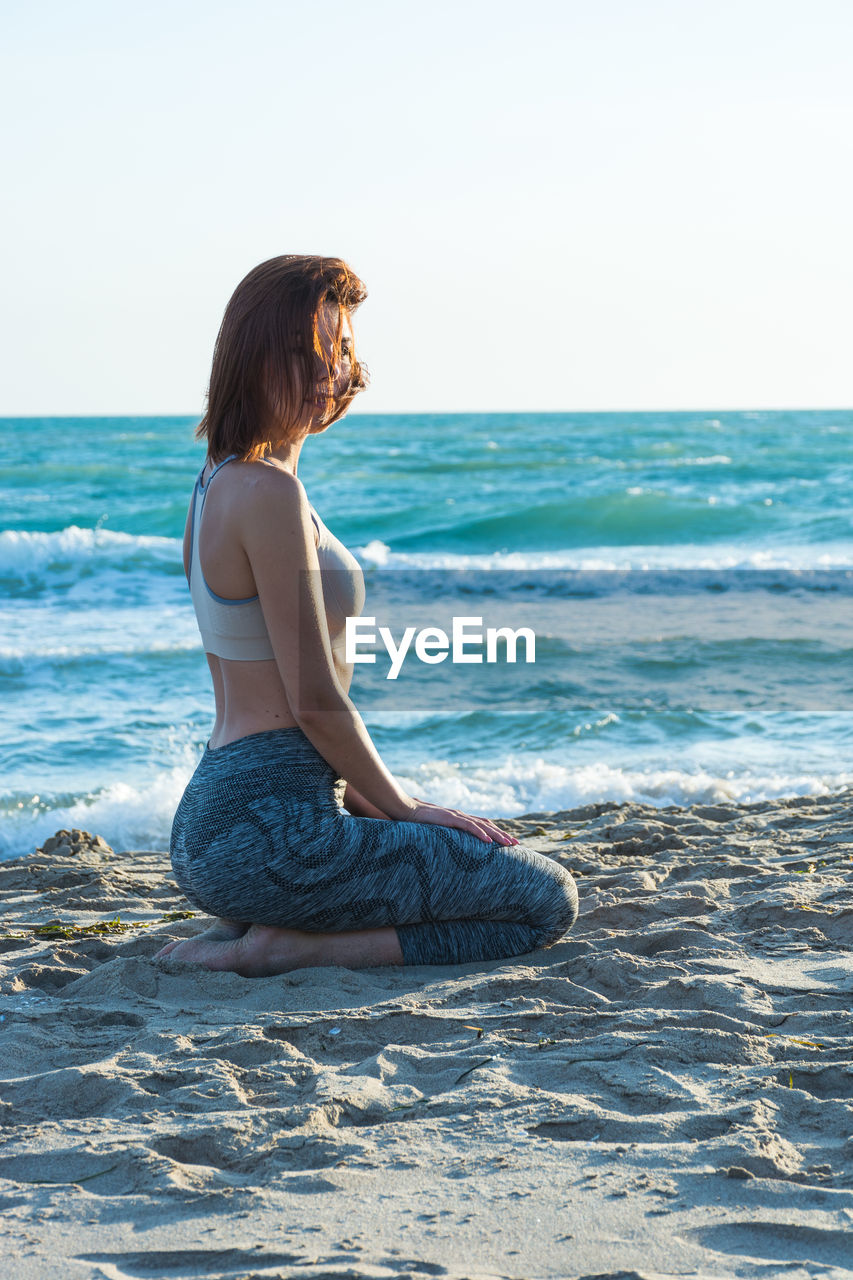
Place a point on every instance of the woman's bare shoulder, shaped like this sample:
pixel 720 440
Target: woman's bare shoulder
pixel 265 474
pixel 269 498
pixel 253 483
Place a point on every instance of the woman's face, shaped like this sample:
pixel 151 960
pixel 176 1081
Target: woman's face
pixel 332 374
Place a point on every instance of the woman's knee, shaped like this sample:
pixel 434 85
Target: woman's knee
pixel 562 909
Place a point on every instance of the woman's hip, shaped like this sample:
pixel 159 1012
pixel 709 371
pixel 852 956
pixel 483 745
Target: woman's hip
pixel 252 795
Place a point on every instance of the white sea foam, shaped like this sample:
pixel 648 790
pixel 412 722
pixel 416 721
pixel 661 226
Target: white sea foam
pixel 26 655
pixel 713 460
pixel 27 555
pixel 24 554
pixel 38 630
pixel 139 817
pixel 524 785
pixel 720 556
pixel 127 816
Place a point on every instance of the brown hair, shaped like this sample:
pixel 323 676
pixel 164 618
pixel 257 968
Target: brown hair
pixel 268 353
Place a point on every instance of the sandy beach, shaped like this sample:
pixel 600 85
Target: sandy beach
pixel 667 1092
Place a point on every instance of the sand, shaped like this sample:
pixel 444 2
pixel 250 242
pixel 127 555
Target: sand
pixel 667 1092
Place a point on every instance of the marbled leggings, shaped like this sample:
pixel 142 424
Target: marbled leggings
pixel 260 836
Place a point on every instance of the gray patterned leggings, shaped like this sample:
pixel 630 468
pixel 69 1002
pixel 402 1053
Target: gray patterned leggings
pixel 259 836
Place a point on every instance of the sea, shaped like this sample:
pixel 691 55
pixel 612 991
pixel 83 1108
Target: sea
pixel 676 590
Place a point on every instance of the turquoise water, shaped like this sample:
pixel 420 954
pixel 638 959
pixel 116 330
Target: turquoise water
pixel 688 577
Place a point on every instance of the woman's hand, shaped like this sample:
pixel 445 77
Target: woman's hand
pixel 483 828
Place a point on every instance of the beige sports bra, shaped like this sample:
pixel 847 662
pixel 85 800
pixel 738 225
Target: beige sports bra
pixel 236 628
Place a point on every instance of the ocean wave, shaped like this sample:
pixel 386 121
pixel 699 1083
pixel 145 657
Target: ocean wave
pixel 567 519
pixel 127 816
pixel 64 558
pixel 721 556
pixel 140 817
pixel 523 785
pixel 34 559
pixel 15 658
pixel 47 630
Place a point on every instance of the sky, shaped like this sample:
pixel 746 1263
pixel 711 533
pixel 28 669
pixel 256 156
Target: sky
pixel 558 205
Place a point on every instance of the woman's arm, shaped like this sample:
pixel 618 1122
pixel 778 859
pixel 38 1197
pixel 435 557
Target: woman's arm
pixel 356 804
pixel 277 534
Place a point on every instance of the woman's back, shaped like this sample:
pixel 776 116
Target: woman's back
pixel 249 689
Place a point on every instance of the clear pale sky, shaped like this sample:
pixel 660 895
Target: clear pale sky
pixel 555 205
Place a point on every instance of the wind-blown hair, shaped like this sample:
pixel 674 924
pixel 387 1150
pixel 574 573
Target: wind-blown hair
pixel 268 359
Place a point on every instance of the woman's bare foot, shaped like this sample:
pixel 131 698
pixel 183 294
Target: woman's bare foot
pixel 262 951
pixel 219 931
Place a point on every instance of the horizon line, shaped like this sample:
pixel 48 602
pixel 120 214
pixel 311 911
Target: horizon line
pixel 471 413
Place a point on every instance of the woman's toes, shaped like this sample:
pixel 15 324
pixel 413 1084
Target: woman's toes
pixel 216 953
pixel 219 931
pixel 164 951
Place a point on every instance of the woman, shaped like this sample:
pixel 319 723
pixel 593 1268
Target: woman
pixel 260 840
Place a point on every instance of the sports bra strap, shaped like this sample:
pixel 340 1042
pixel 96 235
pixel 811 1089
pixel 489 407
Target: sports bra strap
pixel 202 489
pixel 231 458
